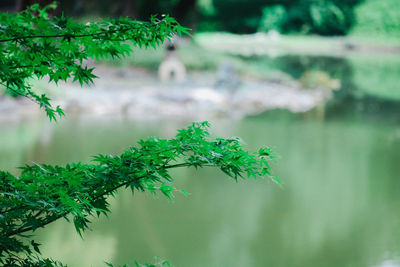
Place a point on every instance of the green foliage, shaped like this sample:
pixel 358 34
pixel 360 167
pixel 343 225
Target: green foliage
pixel 273 18
pixel 35 45
pixel 240 16
pixel 331 17
pixel 378 18
pixel 328 17
pixel 42 194
pixel 159 263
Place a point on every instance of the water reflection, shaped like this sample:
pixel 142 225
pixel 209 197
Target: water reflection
pixel 360 76
pixel 338 206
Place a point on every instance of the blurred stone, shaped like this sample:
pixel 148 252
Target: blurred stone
pixel 349 44
pixel 208 95
pixel 319 79
pixel 227 77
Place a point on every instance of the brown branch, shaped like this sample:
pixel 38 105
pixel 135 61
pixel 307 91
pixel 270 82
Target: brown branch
pixel 19 93
pixel 50 36
pixel 52 219
pixel 30 228
pixel 15 208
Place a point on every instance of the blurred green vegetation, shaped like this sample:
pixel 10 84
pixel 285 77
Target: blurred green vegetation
pixel 328 17
pixel 378 21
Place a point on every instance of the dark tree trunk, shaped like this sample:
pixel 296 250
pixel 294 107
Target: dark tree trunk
pixel 130 9
pixel 125 8
pixel 183 8
pixel 21 5
pixel 148 8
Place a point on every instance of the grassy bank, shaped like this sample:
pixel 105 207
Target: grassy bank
pixel 378 21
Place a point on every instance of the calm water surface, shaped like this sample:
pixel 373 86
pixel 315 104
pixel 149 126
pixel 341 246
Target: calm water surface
pixel 339 205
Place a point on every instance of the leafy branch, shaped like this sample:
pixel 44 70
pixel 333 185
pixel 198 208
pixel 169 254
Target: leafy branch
pixel 43 194
pixel 34 45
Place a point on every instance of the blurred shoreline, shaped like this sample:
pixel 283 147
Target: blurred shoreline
pixel 267 71
pixel 138 94
pixel 274 44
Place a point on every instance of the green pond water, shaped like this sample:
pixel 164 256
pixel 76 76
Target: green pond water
pixel 339 204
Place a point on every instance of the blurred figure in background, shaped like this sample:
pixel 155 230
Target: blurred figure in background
pixel 171 68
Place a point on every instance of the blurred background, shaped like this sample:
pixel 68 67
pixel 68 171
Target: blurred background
pixel 318 80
